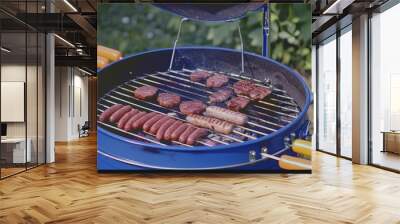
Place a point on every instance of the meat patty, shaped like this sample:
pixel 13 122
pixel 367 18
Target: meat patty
pixel 237 103
pixel 192 107
pixel 243 87
pixel 250 89
pixel 220 96
pixel 168 100
pixel 217 81
pixel 197 76
pixel 145 92
pixel 259 93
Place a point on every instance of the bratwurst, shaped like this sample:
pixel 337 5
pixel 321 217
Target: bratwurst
pixel 226 115
pixel 210 123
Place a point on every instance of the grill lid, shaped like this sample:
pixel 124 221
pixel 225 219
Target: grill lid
pixel 215 12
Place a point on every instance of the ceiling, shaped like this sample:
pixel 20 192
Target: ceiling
pixel 72 20
pixel 332 15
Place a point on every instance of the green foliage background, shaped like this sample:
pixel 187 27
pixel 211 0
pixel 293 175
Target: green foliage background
pixel 133 28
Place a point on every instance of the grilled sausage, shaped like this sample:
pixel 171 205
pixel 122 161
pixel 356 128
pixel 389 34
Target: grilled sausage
pixel 171 129
pixel 175 135
pixel 138 124
pixel 226 115
pixel 210 123
pixel 126 117
pixel 151 121
pixel 163 128
pixel 119 113
pixel 196 135
pixel 184 136
pixel 154 128
pixel 128 125
pixel 105 116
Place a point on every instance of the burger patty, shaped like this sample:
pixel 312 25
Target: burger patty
pixel 217 81
pixel 145 92
pixel 197 76
pixel 168 100
pixel 250 89
pixel 220 96
pixel 237 103
pixel 192 107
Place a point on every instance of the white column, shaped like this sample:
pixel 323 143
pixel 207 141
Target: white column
pixel 360 90
pixel 50 93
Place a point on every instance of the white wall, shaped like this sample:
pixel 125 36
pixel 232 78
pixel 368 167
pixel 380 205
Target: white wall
pixel 71 94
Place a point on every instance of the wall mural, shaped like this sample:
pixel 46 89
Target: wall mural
pixel 204 87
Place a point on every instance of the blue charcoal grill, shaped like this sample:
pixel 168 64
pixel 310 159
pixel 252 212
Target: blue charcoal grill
pixel 273 122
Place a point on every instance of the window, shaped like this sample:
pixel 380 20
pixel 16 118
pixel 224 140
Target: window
pixel 327 96
pixel 346 93
pixel 385 88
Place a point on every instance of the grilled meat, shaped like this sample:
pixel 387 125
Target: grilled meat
pixel 175 134
pixel 243 87
pixel 168 100
pixel 237 103
pixel 124 119
pixel 119 113
pixel 128 124
pixel 259 93
pixel 192 107
pixel 171 129
pixel 197 76
pixel 154 128
pixel 210 123
pixel 196 135
pixel 105 116
pixel 185 135
pixel 226 115
pixel 147 125
pixel 161 131
pixel 250 89
pixel 138 124
pixel 217 81
pixel 145 92
pixel 220 96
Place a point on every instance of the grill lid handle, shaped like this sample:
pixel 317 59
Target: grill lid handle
pixel 215 12
pixel 179 34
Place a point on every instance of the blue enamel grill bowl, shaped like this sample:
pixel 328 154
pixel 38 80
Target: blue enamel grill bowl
pixel 120 152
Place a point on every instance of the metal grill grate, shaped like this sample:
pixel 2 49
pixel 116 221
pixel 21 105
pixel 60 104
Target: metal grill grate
pixel 265 116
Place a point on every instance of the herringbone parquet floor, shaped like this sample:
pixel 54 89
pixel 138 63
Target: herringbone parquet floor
pixel 71 191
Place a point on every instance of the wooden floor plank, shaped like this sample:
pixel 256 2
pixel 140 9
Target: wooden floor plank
pixel 71 191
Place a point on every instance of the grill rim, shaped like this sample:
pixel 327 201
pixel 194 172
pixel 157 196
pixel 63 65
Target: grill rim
pixel 294 125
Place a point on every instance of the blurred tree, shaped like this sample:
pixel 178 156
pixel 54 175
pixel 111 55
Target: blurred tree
pixel 133 28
